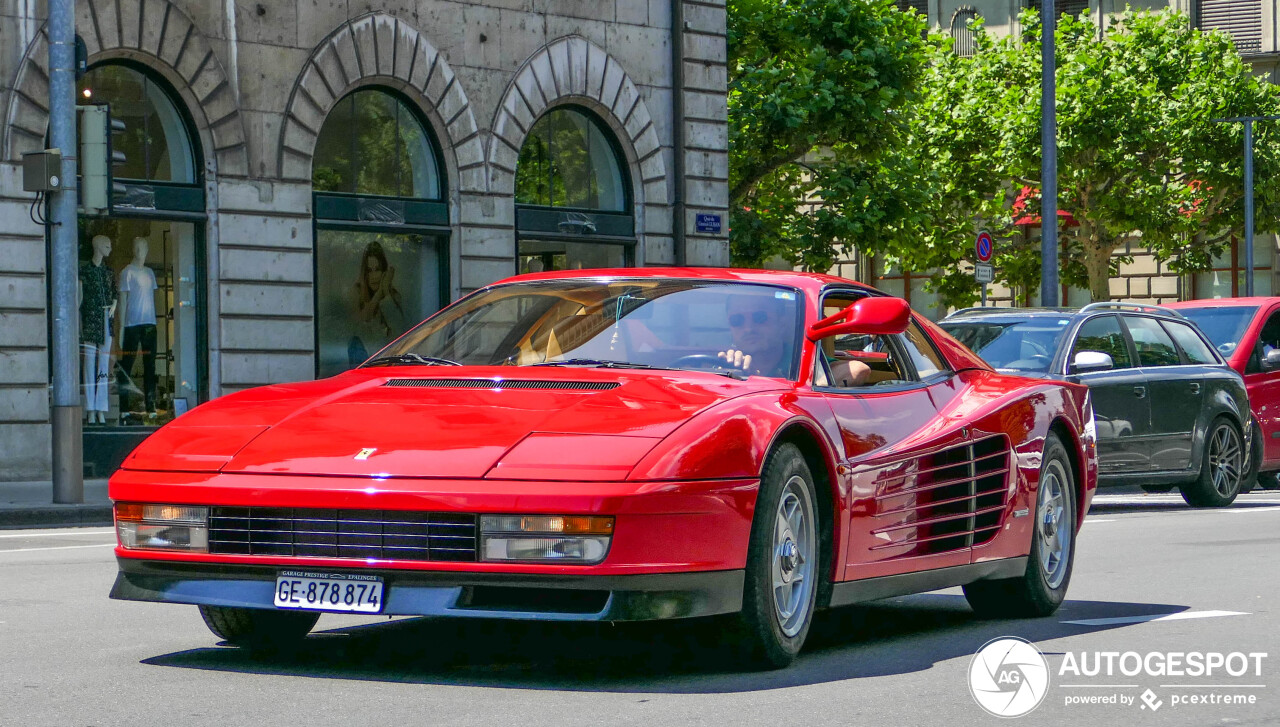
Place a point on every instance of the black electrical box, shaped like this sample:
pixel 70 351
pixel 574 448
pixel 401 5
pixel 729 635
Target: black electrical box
pixel 42 171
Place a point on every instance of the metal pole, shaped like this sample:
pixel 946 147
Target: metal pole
pixel 1248 207
pixel 68 468
pixel 1049 288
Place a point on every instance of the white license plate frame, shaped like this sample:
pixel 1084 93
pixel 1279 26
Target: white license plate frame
pixel 298 590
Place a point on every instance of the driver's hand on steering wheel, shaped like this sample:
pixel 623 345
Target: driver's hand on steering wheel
pixel 736 359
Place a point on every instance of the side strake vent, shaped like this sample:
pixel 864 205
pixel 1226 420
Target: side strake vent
pixel 945 501
pixel 502 384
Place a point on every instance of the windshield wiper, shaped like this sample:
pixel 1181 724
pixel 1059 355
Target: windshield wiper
pixel 409 359
pixel 606 364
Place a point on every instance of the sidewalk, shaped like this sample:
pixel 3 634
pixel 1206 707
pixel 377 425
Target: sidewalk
pixel 30 505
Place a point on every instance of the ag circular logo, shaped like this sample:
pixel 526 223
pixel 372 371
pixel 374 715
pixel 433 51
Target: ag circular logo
pixel 1008 677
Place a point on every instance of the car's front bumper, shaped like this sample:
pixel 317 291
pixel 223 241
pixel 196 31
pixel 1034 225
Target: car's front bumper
pixel 544 597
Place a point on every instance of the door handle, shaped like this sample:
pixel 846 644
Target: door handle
pixel 1195 387
pixel 1140 391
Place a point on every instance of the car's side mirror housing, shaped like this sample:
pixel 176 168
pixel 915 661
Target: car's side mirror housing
pixel 868 316
pixel 1090 361
pixel 1271 362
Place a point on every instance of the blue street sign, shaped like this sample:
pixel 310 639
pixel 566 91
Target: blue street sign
pixel 707 223
pixel 984 247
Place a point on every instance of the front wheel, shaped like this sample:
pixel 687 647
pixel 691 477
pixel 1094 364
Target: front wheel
pixel 1043 586
pixel 255 628
pixel 1222 467
pixel 781 584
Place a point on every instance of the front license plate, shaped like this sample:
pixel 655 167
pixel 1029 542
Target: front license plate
pixel 342 592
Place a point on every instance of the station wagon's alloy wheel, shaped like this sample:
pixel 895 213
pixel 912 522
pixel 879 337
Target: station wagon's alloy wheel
pixel 1222 467
pixel 780 585
pixel 1043 586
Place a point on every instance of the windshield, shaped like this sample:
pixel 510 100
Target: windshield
pixel 1223 325
pixel 680 324
pixel 1025 345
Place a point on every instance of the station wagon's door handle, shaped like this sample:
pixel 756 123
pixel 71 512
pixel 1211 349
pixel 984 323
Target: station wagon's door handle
pixel 1140 391
pixel 1195 388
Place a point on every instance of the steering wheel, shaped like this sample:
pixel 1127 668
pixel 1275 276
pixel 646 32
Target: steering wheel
pixel 701 360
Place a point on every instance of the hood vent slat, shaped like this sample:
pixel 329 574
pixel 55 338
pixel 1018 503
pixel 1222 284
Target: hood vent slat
pixel 502 384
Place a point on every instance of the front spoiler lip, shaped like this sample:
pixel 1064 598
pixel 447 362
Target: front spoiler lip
pixel 639 597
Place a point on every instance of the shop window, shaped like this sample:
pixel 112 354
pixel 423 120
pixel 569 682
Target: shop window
pixel 572 197
pixel 155 143
pixel 382 227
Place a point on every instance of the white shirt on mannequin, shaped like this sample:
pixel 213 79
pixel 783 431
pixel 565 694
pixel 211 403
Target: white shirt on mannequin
pixel 140 307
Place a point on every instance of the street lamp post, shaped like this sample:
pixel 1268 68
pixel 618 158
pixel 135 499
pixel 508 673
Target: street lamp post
pixel 1049 287
pixel 1248 122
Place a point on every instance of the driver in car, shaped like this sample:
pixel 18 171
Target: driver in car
pixel 761 337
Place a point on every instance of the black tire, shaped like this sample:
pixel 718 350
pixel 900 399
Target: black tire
pixel 759 630
pixel 1250 480
pixel 1157 489
pixel 1269 480
pixel 1218 484
pixel 255 628
pixel 1041 589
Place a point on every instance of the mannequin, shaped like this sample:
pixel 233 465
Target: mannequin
pixel 97 294
pixel 137 327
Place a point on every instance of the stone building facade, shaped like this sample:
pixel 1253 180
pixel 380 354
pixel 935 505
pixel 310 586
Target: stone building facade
pixel 253 226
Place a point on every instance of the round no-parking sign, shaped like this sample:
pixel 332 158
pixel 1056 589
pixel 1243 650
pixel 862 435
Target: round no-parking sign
pixel 984 247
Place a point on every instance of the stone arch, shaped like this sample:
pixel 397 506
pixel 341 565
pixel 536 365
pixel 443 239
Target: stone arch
pixel 162 37
pixel 380 49
pixel 575 70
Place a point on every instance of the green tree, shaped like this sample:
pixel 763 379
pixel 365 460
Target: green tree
pixel 1141 160
pixel 817 93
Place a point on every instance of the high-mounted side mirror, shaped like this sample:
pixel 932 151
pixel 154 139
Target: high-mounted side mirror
pixel 870 316
pixel 1089 361
pixel 1271 361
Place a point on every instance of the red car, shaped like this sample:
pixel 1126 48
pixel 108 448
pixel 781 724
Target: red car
pixel 1247 334
pixel 620 445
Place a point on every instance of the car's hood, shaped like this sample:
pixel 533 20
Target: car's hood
pixel 433 422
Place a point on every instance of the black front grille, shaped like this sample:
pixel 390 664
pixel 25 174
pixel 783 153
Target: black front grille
pixel 380 534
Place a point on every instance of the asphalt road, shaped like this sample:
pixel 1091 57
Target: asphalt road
pixel 73 657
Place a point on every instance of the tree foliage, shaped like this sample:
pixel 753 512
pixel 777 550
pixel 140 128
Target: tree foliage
pixel 817 90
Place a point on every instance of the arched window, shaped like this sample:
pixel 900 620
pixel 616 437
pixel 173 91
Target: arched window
pixel 572 197
pixel 156 143
pixel 962 31
pixel 142 268
pixel 381 229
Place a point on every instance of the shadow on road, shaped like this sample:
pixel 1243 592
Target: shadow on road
pixel 1107 503
pixel 895 636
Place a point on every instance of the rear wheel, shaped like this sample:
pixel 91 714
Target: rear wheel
pixel 1041 589
pixel 781 584
pixel 1221 467
pixel 255 628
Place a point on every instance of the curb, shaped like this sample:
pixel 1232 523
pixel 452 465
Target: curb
pixel 55 515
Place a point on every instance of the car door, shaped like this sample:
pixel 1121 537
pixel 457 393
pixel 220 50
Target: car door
pixel 1174 389
pixel 1121 404
pixel 892 530
pixel 1264 385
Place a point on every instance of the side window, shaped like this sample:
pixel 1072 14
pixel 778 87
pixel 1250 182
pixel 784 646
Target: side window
pixel 1103 334
pixel 1155 348
pixel 855 361
pixel 1268 340
pixel 926 358
pixel 1198 352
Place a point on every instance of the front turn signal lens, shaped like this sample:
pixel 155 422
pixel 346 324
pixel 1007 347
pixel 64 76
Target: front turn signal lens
pixel 142 526
pixel 579 539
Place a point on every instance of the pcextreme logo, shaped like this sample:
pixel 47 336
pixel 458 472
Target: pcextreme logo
pixel 1008 677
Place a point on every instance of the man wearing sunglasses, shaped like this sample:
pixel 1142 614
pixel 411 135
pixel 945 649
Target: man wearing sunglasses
pixel 762 341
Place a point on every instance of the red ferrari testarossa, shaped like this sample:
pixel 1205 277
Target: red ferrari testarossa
pixel 620 445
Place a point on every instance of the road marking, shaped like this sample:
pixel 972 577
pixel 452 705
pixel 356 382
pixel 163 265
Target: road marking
pixel 1098 686
pixel 1091 520
pixel 1180 616
pixel 1238 510
pixel 1212 686
pixel 65 534
pixel 62 547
